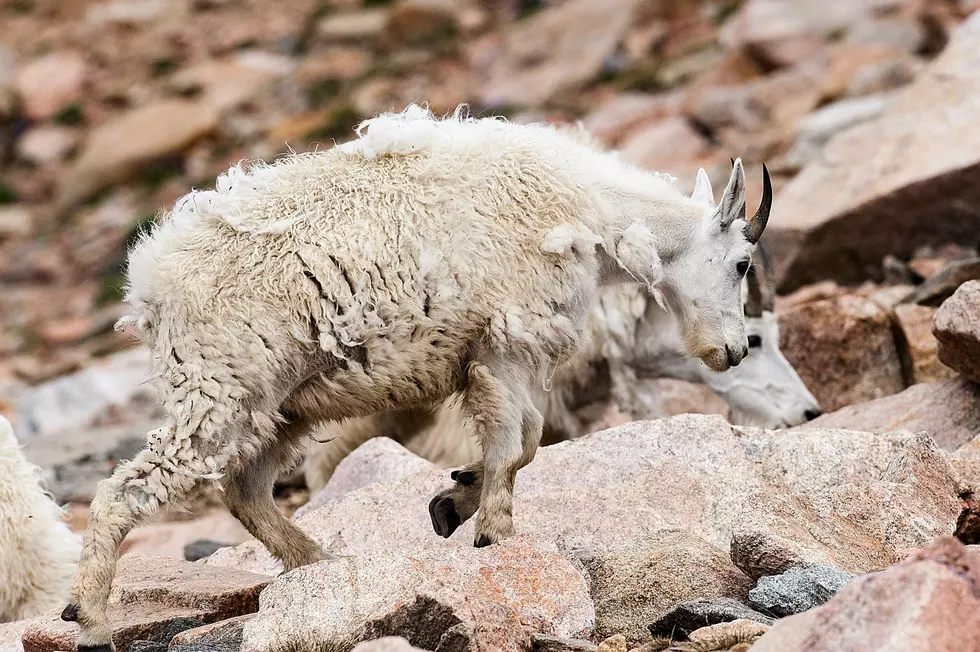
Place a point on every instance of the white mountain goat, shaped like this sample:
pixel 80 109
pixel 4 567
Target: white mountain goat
pixel 38 553
pixel 424 258
pixel 634 337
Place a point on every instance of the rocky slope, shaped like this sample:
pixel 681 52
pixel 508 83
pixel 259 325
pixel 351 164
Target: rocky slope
pixel 684 533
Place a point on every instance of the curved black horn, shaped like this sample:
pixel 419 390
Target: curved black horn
pixel 754 228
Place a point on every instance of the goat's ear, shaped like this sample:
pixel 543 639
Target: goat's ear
pixel 702 188
pixel 732 205
pixel 636 253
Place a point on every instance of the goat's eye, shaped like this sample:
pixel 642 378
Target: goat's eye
pixel 742 267
pixel 755 341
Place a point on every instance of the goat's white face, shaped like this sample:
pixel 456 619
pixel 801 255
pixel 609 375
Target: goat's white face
pixel 764 390
pixel 702 282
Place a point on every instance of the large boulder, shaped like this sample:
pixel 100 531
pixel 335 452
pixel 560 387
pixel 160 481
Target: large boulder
pixel 918 347
pixel 949 412
pixel 957 329
pixel 891 184
pixel 436 597
pixel 928 602
pixel 853 500
pixel 843 349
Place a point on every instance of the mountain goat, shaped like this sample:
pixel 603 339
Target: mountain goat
pixel 635 338
pixel 38 552
pixel 424 258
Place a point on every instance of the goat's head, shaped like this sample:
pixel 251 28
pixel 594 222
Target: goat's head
pixel 702 280
pixel 764 390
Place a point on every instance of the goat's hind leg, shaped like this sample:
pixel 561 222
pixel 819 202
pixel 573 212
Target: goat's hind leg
pixel 135 490
pixel 248 495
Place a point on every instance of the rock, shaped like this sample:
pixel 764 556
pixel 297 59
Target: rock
pixel 797 590
pixel 149 593
pixel 435 597
pixel 948 411
pixel 687 617
pixel 917 345
pixel 944 282
pixel 15 222
pixel 46 144
pixel 117 150
pixel 898 182
pixel 223 85
pixel 816 129
pixel 928 602
pixel 641 582
pixel 662 144
pixel 853 500
pixel 615 643
pixel 221 636
pixel 843 349
pixel 848 62
pixel 11 633
pixel 908 36
pixel 420 22
pixel 883 76
pixel 620 115
pixel 667 397
pixel 548 643
pixel 50 83
pixel 89 397
pixel 201 548
pixel 366 26
pixel 171 538
pixel 957 329
pixel 558 49
pixel 386 644
pixel 377 460
pixel 126 12
pixel 741 630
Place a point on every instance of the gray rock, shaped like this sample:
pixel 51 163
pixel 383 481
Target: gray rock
pixel 202 548
pixel 689 616
pixel 817 128
pixel 798 589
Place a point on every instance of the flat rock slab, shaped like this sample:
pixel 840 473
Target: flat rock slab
pixel 457 591
pixel 854 500
pixel 889 185
pixel 151 591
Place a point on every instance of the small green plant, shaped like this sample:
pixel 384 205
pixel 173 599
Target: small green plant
pixel 7 194
pixel 71 115
pixel 162 66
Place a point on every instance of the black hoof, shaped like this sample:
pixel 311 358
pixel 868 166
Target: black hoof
pixel 467 478
pixel 70 614
pixel 445 519
pixel 482 541
pixel 95 648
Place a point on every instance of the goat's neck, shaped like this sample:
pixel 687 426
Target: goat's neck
pixel 635 196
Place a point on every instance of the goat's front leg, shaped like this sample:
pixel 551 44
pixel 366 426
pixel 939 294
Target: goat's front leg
pixel 509 428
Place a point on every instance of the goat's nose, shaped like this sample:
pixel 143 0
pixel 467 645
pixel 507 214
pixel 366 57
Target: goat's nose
pixel 812 413
pixel 732 360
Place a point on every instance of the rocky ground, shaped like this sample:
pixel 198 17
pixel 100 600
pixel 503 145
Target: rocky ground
pixel 853 532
